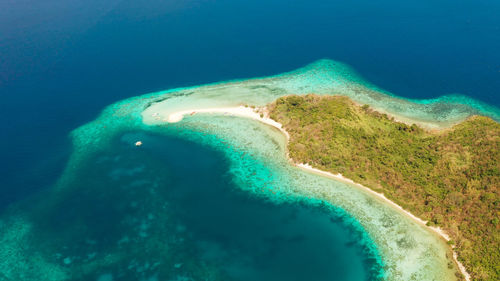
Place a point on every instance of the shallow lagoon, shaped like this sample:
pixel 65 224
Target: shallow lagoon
pixel 170 210
pixel 249 237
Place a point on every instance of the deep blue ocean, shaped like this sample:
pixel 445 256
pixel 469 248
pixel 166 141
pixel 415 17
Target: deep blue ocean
pixel 61 62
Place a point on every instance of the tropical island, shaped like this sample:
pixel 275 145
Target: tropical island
pixel 449 178
pixel 378 178
pixel 429 159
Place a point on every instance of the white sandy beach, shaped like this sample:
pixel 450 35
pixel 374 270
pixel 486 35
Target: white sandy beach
pixel 242 111
pixel 261 115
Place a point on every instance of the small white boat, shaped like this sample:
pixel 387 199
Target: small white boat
pixel 138 143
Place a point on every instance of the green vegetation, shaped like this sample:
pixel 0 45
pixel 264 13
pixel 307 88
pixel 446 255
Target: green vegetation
pixel 450 178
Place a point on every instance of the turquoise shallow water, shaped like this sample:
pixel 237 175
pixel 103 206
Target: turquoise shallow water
pixel 120 212
pixel 325 77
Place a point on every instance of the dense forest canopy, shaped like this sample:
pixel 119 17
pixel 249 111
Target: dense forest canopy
pixel 450 178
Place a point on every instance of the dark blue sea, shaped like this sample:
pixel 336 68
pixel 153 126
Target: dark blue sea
pixel 62 62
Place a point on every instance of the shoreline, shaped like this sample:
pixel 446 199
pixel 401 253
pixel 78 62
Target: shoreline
pixel 432 126
pixel 261 115
pixel 440 232
pixel 258 114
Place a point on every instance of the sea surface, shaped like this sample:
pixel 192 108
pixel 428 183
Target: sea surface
pixel 62 62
